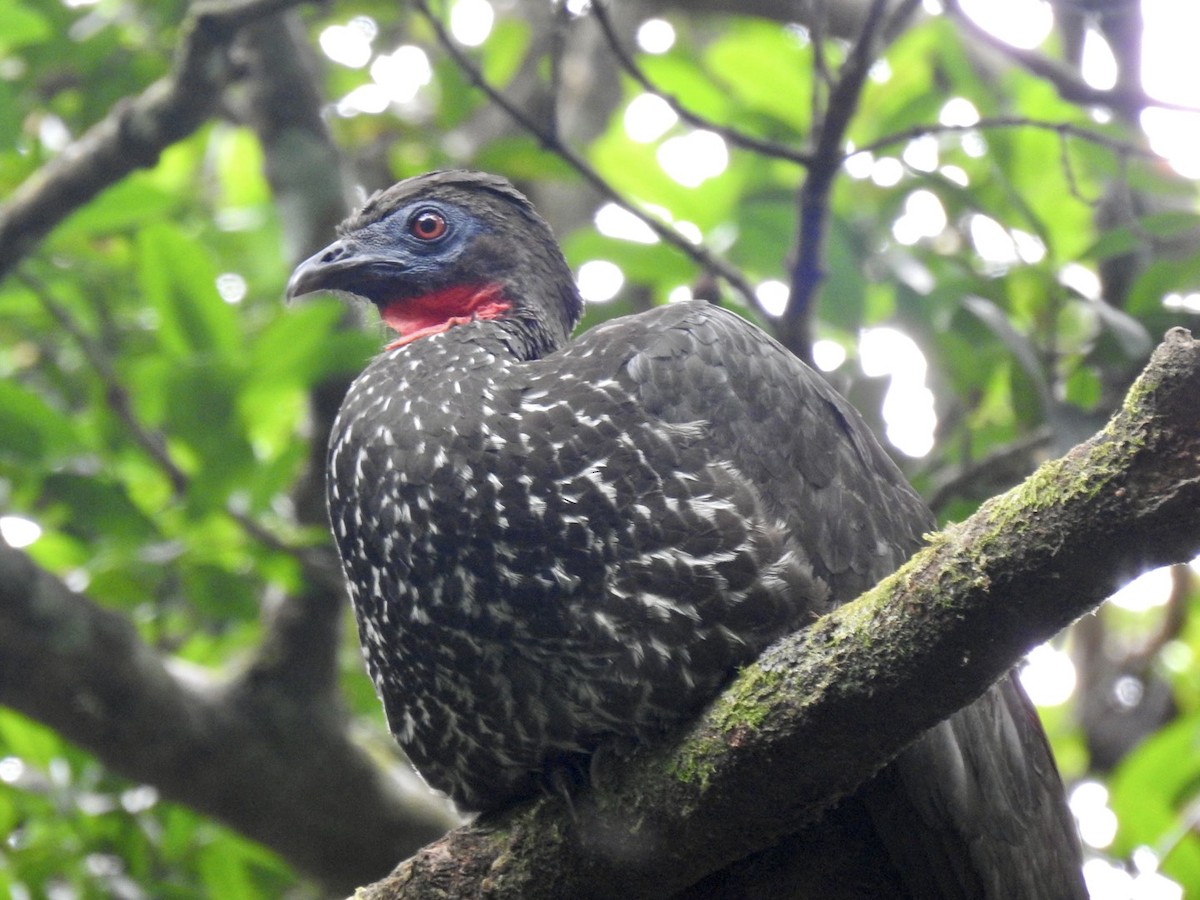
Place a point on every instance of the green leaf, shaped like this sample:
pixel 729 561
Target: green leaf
pixel 239 162
pixel 1127 238
pixel 908 97
pixel 178 280
pixel 1022 350
pixel 202 414
pixel 844 294
pixel 291 349
pixel 1083 388
pixel 766 230
pixel 678 76
pixel 128 204
pixel 1132 336
pixel 764 68
pixel 22 25
pixel 220 594
pixel 658 265
pixel 1153 793
pixel 505 50
pixel 31 741
pixel 238 869
pixel 95 508
pixel 30 429
pixel 1159 279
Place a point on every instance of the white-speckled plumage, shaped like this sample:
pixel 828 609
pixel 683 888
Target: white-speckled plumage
pixel 552 544
pixel 581 558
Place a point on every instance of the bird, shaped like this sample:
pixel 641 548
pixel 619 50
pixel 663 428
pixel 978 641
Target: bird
pixel 554 544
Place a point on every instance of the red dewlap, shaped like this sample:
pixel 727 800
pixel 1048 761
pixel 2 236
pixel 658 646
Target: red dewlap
pixel 441 310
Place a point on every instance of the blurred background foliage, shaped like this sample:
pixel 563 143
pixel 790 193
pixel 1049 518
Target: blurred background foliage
pixel 992 280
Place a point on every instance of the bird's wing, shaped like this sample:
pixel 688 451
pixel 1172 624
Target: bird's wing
pixel 974 808
pixel 985 787
pixel 783 427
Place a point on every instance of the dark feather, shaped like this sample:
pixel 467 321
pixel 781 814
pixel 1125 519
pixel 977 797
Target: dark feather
pixel 553 544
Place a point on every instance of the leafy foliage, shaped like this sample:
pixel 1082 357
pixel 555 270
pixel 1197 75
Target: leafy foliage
pixel 156 392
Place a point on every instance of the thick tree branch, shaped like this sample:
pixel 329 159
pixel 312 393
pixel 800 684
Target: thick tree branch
pixel 137 130
pixel 281 101
pixel 822 710
pixel 254 753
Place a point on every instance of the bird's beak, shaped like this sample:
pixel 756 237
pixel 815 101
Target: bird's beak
pixel 346 267
pixel 325 270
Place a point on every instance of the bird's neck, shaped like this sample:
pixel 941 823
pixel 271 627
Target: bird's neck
pixel 484 312
pixel 417 317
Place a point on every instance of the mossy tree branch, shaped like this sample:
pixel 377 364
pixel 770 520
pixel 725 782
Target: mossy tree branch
pixel 822 710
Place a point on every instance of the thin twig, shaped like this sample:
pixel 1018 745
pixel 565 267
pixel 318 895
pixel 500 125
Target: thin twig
pixel 150 441
pixel 899 22
pixel 667 234
pixel 321 569
pixel 822 77
pixel 559 28
pixel 1068 168
pixel 1174 619
pixel 997 469
pixel 795 325
pixel 733 136
pixel 1066 129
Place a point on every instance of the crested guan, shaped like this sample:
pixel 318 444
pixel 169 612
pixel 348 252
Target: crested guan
pixel 551 543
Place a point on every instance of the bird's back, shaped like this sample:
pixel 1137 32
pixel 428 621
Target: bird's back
pixel 974 809
pixel 548 553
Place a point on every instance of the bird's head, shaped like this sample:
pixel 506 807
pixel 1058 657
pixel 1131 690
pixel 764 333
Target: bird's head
pixel 447 248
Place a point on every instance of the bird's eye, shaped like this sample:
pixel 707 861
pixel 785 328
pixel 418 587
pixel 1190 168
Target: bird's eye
pixel 427 225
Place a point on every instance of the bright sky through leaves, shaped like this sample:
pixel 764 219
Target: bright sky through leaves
pixel 17 531
pixel 600 280
pixel 471 21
